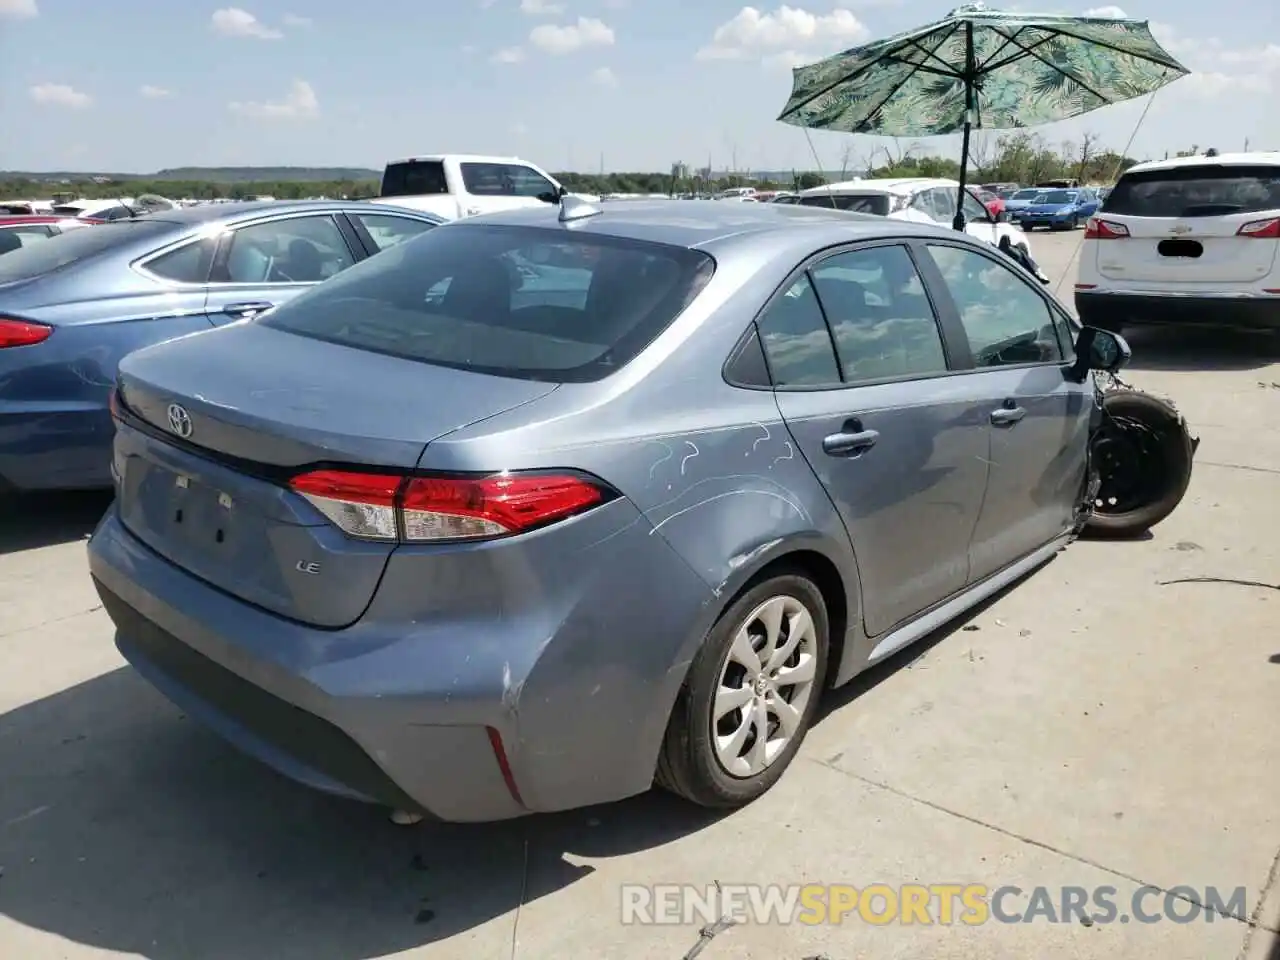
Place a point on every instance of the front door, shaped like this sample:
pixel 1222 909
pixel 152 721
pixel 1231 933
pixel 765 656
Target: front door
pixel 266 263
pixel 1038 418
pixel 862 380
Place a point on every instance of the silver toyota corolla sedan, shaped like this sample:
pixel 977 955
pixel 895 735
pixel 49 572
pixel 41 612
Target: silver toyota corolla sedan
pixel 538 508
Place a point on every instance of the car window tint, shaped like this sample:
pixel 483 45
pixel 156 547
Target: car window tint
pixel 540 303
pixel 293 250
pixel 414 178
pixel 923 203
pixel 944 202
pixel 1006 321
pixel 882 320
pixel 1203 190
pixel 797 342
pixel 386 231
pixel 187 264
pixel 876 203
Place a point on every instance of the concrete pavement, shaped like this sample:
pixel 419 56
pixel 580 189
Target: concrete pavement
pixel 1108 722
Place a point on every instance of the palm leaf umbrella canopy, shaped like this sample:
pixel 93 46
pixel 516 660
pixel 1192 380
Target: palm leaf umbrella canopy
pixel 980 68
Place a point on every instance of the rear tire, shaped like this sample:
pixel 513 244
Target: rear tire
pixel 1144 455
pixel 712 762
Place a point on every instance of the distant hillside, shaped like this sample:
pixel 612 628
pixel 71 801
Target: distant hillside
pixel 207 175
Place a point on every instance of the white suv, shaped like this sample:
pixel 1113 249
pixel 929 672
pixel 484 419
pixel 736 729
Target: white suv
pixel 1195 240
pixel 920 200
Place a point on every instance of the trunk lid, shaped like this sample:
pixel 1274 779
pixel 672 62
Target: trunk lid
pixel 217 422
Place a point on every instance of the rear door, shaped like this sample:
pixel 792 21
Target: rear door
pixel 864 383
pixel 263 264
pixel 1038 419
pixel 1182 227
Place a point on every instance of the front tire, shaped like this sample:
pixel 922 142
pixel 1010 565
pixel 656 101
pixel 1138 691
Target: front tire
pixel 750 697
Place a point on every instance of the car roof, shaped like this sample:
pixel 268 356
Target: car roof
pixel 1256 159
pixel 895 185
pixel 210 212
pixel 714 225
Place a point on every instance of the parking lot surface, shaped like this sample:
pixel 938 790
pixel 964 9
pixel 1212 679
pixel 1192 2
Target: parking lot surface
pixel 1109 722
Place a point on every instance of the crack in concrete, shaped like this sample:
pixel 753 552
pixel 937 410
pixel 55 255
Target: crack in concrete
pixel 1237 466
pixel 1251 922
pixel 1255 918
pixel 46 623
pixel 706 935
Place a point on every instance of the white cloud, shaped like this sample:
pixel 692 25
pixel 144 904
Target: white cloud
pixel 1107 13
pixel 19 9
pixel 787 33
pixel 234 22
pixel 60 95
pixel 1217 69
pixel 508 55
pixel 293 20
pixel 300 104
pixel 541 8
pixel 519 129
pixel 587 32
pixel 616 4
pixel 604 77
pixel 154 93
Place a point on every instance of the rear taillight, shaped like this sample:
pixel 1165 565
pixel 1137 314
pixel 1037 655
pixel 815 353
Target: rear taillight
pixel 1261 229
pixel 379 506
pixel 22 333
pixel 1097 229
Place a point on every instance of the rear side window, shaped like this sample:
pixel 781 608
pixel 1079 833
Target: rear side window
pixel 876 203
pixel 75 246
pixel 386 231
pixel 414 178
pixel 187 264
pixel 526 302
pixel 797 342
pixel 1209 190
pixel 881 318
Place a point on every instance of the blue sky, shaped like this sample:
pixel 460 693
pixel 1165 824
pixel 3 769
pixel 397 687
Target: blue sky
pixel 138 85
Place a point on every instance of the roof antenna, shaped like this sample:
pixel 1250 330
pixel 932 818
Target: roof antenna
pixel 574 208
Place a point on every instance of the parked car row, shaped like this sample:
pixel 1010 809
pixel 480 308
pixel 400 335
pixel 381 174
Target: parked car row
pixel 530 510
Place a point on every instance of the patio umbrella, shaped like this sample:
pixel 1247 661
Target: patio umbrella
pixel 980 68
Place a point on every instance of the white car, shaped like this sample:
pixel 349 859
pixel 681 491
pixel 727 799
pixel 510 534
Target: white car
pixel 1194 240
pixel 920 200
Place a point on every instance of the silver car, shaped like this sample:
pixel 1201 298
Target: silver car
pixel 538 508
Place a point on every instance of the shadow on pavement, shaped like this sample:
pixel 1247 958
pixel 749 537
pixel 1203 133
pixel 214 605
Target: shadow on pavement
pixel 29 521
pixel 127 829
pixel 1196 348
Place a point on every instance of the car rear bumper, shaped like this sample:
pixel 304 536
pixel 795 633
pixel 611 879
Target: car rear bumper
pixel 1125 309
pixel 459 720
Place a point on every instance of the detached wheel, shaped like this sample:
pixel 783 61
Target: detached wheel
pixel 1143 455
pixel 750 697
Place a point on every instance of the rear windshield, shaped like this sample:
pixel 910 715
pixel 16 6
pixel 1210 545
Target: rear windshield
pixel 1199 191
pixel 72 247
pixel 1030 194
pixel 877 203
pixel 525 302
pixel 414 178
pixel 1058 196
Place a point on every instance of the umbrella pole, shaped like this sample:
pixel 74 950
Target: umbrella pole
pixel 958 222
pixel 970 84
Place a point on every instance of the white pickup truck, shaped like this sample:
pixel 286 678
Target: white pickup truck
pixel 454 185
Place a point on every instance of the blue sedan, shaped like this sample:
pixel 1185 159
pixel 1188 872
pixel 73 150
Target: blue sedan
pixel 73 306
pixel 1056 209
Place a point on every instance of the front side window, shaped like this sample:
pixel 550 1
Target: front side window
pixel 796 340
pixel 535 303
pixel 880 316
pixel 1006 321
pixel 505 180
pixel 974 209
pixel 293 250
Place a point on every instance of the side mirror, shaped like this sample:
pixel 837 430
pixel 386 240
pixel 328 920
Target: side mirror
pixel 1002 216
pixel 563 192
pixel 1100 350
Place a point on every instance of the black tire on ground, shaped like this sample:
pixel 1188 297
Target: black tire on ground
pixel 1167 450
pixel 1075 222
pixel 687 764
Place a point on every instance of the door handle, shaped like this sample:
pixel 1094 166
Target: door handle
pixel 851 441
pixel 1007 415
pixel 246 309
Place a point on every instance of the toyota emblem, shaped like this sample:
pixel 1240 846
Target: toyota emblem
pixel 179 420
